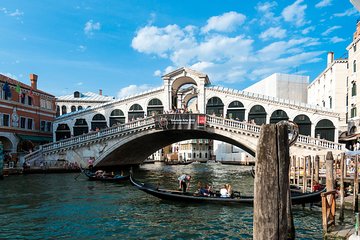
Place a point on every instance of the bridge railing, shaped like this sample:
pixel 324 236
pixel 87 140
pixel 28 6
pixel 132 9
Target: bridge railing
pixel 322 143
pixel 98 134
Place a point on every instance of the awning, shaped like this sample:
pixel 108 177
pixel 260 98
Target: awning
pixel 35 138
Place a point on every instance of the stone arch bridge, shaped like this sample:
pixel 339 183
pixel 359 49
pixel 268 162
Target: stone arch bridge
pixel 133 142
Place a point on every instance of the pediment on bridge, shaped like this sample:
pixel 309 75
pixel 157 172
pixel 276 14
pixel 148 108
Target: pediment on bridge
pixel 186 72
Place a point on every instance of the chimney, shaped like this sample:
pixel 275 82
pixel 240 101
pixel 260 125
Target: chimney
pixel 33 80
pixel 100 92
pixel 330 58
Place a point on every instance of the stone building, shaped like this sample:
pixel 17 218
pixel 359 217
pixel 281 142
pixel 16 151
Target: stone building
pixel 26 117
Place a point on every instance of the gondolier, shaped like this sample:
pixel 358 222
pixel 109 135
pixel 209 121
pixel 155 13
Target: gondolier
pixel 184 182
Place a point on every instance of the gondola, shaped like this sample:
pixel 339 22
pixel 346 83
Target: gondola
pixel 237 198
pixel 115 178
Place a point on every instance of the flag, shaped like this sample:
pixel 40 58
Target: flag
pixel 17 89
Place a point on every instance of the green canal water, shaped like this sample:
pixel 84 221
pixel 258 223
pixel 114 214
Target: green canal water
pixel 61 206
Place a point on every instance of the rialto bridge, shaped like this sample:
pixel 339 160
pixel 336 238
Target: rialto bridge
pixel 114 132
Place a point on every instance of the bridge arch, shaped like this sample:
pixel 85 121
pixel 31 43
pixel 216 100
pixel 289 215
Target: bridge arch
pixel 8 145
pixel 278 115
pixel 325 129
pixel 215 106
pixel 116 117
pixel 257 114
pixel 304 124
pixel 236 111
pixel 125 151
pixel 98 122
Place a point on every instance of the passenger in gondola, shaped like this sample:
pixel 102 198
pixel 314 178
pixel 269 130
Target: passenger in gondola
pixel 225 191
pixel 184 182
pixel 317 186
pixel 203 191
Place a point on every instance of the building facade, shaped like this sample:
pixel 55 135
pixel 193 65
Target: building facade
pixel 26 117
pixel 329 88
pixel 284 86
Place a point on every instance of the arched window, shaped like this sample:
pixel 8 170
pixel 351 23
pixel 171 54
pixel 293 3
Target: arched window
pixel 257 115
pixel 63 110
pixel 62 132
pixel 76 94
pixel 354 65
pixel 73 109
pixel 278 115
pixel 117 117
pixel 325 129
pixel 98 122
pixel 58 110
pixel 236 111
pixel 353 89
pixel 135 112
pixel 80 127
pixel 80 108
pixel 154 107
pixel 304 124
pixel 215 106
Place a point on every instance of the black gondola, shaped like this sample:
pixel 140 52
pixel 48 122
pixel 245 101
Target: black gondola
pixel 115 178
pixel 237 198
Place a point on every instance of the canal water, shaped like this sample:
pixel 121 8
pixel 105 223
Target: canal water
pixel 68 206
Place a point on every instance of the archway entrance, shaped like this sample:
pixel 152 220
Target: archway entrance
pixel 236 111
pixel 325 129
pixel 80 127
pixel 98 122
pixel 62 132
pixel 215 107
pixel 155 107
pixel 257 115
pixel 304 124
pixel 278 115
pixel 135 112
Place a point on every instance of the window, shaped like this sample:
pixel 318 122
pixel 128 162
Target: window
pixel 354 66
pixel 353 89
pixel 22 122
pixel 29 123
pixel 323 103
pixel 30 100
pixel 353 112
pixel 6 120
pixel 48 126
pixel 330 102
pixel 22 98
pixel 354 47
pixel 42 126
pixel 73 109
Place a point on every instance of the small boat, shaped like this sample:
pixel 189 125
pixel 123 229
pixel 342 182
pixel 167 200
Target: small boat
pixel 105 178
pixel 177 162
pixel 237 198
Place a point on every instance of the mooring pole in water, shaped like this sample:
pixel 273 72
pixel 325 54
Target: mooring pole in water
pixel 356 185
pixel 329 171
pixel 342 188
pixel 316 167
pixel 1 160
pixel 272 207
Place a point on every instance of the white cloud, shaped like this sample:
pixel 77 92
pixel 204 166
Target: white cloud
pixel 347 13
pixel 330 30
pixel 323 3
pixel 157 73
pixel 161 41
pixel 337 39
pixel 227 22
pixel 295 13
pixel 79 83
pixel 273 32
pixel 16 14
pixel 132 90
pixel 265 11
pixel 308 29
pixel 91 26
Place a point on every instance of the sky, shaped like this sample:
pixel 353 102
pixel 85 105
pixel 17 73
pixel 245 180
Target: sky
pixel 124 46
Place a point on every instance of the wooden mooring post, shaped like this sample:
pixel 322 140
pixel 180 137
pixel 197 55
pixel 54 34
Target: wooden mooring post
pixel 317 166
pixel 272 207
pixel 356 186
pixel 342 188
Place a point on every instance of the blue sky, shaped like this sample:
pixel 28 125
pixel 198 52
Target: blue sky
pixel 123 46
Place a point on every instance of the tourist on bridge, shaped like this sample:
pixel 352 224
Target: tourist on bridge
pixel 184 182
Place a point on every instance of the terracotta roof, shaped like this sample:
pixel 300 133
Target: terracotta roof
pixel 14 83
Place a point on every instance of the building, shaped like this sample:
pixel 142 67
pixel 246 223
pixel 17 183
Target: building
pixel 329 89
pixel 284 86
pixel 26 117
pixel 78 101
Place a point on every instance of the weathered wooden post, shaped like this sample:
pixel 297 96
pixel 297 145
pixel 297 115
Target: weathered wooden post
pixel 271 186
pixel 305 174
pixel 356 185
pixel 298 168
pixel 317 166
pixel 341 216
pixel 312 173
pixel 329 171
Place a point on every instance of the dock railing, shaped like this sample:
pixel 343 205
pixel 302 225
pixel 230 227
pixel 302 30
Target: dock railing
pixel 328 207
